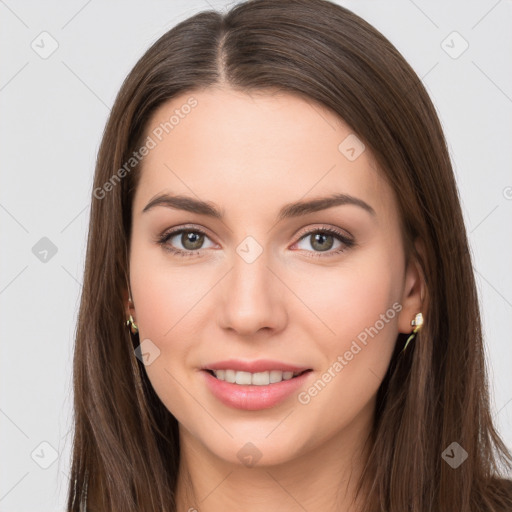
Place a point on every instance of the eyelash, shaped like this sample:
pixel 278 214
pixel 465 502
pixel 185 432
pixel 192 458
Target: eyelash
pixel 347 242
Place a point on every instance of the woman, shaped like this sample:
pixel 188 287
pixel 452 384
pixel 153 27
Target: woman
pixel 276 220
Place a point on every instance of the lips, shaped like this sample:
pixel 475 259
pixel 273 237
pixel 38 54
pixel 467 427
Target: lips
pixel 254 397
pixel 249 396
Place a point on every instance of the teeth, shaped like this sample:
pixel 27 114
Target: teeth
pixel 255 379
pixel 275 376
pixel 259 379
pixel 243 378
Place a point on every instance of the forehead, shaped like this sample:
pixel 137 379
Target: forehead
pixel 256 149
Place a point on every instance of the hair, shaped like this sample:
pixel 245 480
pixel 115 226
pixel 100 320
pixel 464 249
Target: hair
pixel 126 443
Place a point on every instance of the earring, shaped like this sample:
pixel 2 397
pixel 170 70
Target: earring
pixel 417 323
pixel 132 325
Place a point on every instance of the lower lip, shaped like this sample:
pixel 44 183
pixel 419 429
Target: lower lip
pixel 251 397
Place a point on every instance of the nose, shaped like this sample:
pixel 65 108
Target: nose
pixel 252 298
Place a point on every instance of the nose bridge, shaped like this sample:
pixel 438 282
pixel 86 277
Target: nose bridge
pixel 250 300
pixel 250 272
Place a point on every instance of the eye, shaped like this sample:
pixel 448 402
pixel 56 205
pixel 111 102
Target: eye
pixel 191 240
pixel 322 240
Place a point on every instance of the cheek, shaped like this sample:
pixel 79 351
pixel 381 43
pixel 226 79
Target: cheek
pixel 359 303
pixel 165 292
pixel 352 297
pixel 167 305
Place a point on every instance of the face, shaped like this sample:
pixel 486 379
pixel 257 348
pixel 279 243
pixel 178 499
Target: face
pixel 322 288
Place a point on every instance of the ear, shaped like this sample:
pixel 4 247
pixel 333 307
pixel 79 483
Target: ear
pixel 414 291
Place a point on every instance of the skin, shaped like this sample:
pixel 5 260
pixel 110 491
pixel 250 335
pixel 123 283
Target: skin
pixel 250 155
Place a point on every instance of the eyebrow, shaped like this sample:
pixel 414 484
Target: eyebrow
pixel 289 210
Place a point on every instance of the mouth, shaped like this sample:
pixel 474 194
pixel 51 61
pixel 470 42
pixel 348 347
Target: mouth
pixel 264 378
pixel 254 391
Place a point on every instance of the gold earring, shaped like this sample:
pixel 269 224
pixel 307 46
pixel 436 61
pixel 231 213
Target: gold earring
pixel 130 323
pixel 416 323
pixel 133 326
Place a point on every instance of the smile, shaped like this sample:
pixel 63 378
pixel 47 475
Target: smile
pixel 255 379
pixel 260 393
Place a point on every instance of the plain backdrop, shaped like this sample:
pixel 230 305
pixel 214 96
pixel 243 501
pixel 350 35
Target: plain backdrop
pixel 53 111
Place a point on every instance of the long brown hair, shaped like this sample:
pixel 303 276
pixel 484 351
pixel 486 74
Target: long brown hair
pixel 126 447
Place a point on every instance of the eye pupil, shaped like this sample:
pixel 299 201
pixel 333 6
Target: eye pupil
pixel 319 237
pixel 192 237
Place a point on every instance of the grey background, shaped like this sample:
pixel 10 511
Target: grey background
pixel 53 112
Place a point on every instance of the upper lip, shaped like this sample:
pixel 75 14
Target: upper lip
pixel 260 365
